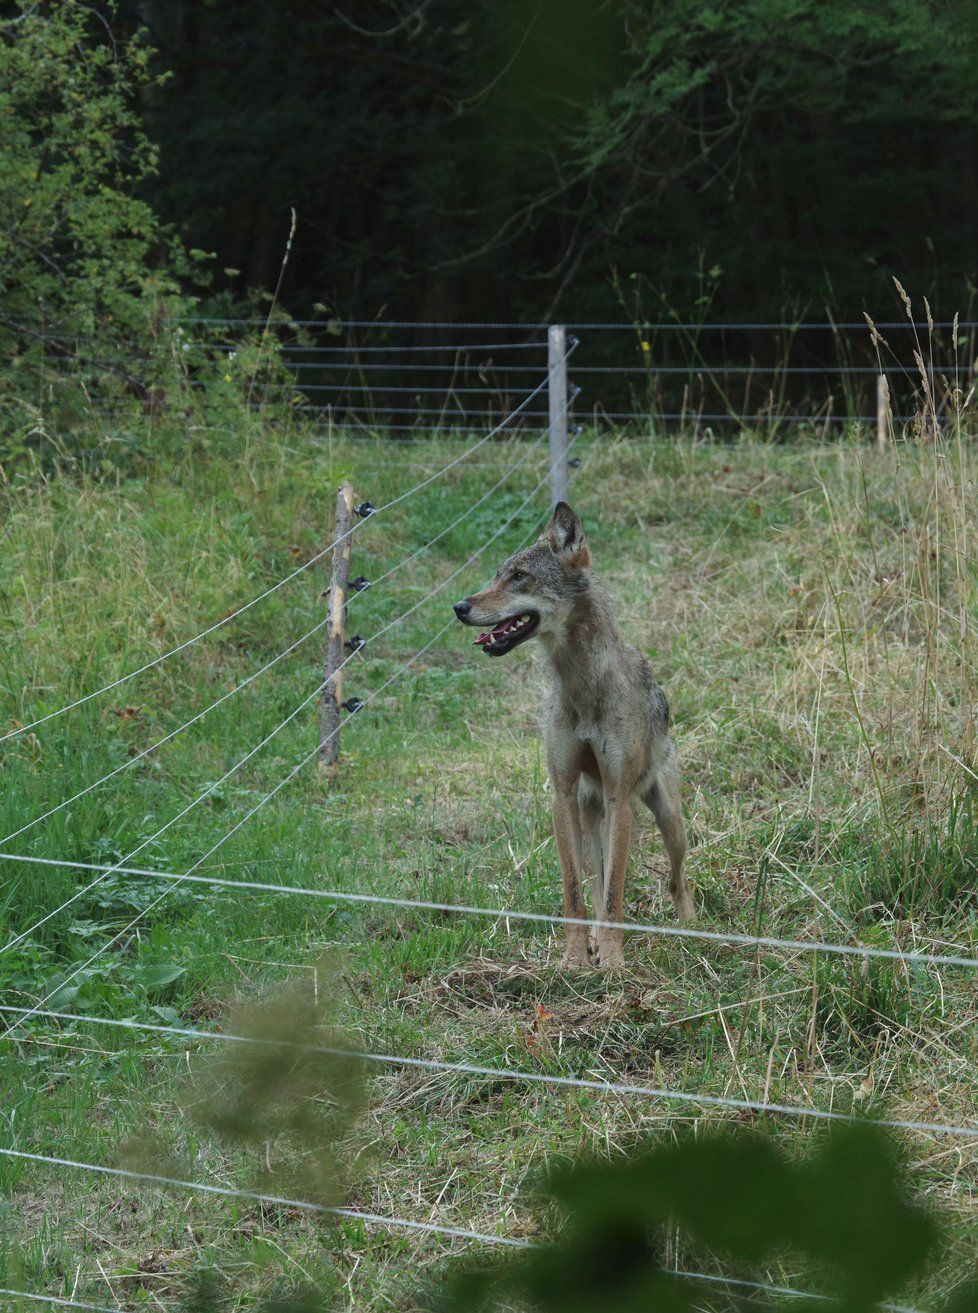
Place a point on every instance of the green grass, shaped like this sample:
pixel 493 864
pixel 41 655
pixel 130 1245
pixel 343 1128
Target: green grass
pixel 810 611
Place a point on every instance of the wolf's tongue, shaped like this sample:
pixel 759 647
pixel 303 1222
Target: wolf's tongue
pixel 499 632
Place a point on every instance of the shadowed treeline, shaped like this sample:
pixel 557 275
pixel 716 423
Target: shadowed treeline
pixel 511 161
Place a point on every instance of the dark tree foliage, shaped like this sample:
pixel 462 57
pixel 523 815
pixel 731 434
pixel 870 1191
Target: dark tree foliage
pixel 520 160
pixel 81 255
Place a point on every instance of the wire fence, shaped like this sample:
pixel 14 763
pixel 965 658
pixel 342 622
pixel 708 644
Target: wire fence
pixel 710 378
pixel 337 387
pixel 862 952
pixel 18 1016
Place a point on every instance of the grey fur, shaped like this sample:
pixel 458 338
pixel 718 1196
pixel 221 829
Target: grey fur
pixel 605 725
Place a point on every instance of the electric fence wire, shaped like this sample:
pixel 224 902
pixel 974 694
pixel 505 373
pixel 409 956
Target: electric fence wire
pixel 635 326
pixel 377 1219
pixel 189 873
pixel 414 410
pixel 117 867
pixel 355 1214
pixel 352 349
pixel 862 952
pixel 648 370
pixel 394 501
pixel 632 1088
pixel 484 391
pixel 466 419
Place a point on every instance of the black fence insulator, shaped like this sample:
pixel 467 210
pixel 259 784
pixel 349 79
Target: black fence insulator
pixel 352 705
pixel 364 509
pixel 360 583
pixel 355 643
pixel 575 462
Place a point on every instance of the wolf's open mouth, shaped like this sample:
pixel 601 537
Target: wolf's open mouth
pixel 509 634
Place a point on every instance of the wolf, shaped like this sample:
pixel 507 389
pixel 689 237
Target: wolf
pixel 605 727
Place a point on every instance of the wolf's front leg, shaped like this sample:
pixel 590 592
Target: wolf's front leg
pixel 617 839
pixel 567 832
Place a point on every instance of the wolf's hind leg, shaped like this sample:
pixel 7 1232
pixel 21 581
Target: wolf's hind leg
pixel 662 800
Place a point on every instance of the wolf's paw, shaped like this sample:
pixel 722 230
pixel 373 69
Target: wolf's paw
pixel 686 908
pixel 610 956
pixel 575 956
pixel 682 900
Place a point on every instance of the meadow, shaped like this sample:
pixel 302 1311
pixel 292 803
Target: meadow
pixel 809 607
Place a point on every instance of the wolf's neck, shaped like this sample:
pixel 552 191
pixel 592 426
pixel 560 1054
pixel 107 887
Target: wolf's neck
pixel 578 654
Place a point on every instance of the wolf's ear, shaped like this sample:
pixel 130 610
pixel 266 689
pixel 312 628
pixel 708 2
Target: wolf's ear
pixel 565 534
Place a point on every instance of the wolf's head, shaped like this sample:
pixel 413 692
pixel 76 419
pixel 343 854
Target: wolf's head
pixel 534 591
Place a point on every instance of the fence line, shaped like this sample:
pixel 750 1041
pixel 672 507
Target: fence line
pixel 733 417
pixel 370 366
pixel 650 369
pixel 394 501
pixel 706 368
pixel 485 391
pixel 463 418
pixel 404 410
pixel 861 951
pixel 374 427
pixel 624 326
pixel 345 414
pixel 355 1214
pixel 527 1077
pixel 251 678
pixel 353 349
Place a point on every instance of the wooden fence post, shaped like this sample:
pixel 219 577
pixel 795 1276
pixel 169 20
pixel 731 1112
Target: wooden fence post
pixel 557 395
pixel 329 714
pixel 882 408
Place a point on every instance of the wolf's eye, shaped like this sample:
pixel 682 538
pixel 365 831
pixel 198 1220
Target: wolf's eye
pixel 518 577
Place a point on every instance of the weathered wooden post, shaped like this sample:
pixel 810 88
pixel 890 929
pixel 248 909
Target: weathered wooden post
pixel 882 409
pixel 329 715
pixel 557 396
